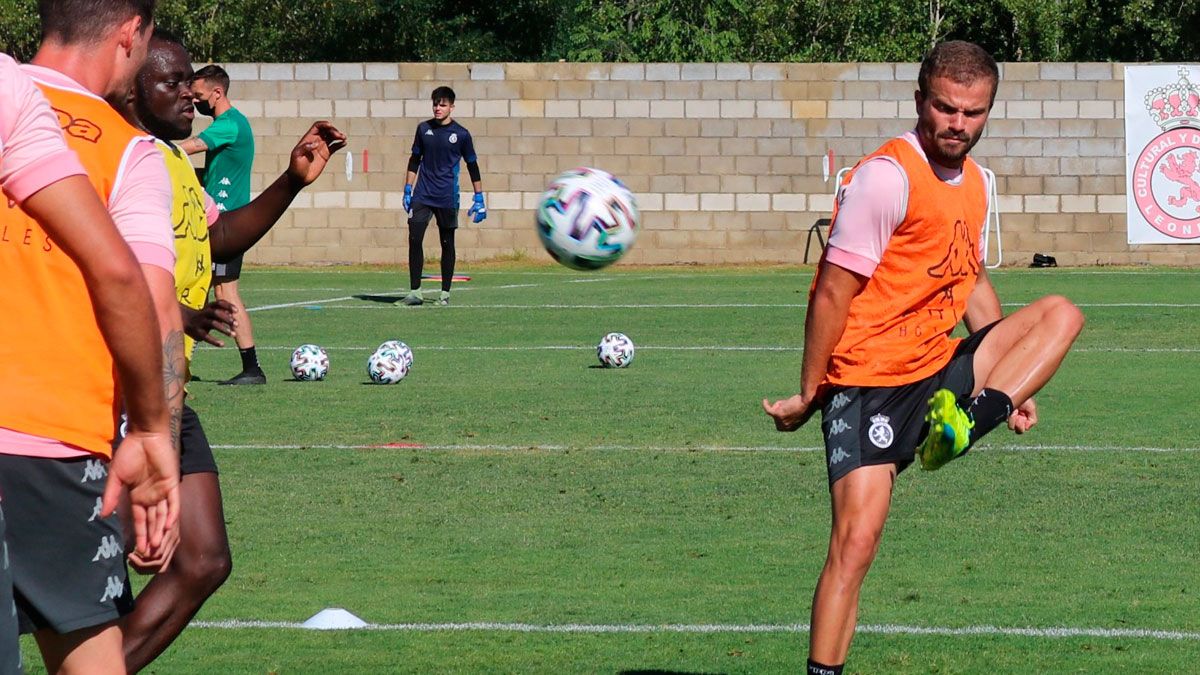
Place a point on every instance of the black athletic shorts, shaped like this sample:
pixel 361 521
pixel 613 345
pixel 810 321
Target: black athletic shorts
pixel 422 213
pixel 68 564
pixel 230 271
pixel 195 454
pixel 865 426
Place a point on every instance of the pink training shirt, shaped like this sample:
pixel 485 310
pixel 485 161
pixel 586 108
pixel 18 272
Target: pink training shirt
pixel 872 207
pixel 33 152
pixel 141 209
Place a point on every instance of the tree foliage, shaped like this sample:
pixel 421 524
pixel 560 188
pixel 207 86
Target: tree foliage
pixel 659 30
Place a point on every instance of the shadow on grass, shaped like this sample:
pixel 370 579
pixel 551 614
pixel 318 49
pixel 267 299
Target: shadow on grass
pixel 391 299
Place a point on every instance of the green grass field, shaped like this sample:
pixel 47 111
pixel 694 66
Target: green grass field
pixel 651 518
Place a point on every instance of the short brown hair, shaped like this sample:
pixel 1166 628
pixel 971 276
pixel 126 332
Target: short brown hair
pixel 961 61
pixel 88 21
pixel 214 75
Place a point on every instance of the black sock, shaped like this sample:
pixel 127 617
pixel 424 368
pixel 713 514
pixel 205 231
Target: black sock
pixel 989 409
pixel 249 359
pixel 815 668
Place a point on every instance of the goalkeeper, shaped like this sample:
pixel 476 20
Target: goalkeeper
pixel 440 144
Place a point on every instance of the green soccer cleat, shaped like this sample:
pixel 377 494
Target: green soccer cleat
pixel 949 431
pixel 412 299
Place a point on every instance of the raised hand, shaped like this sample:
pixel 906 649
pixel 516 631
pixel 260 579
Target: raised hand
pixel 312 153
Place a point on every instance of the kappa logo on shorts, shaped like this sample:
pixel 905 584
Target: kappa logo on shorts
pixel 94 470
pixel 96 509
pixel 838 456
pixel 113 589
pixel 839 401
pixel 881 433
pixel 838 426
pixel 109 548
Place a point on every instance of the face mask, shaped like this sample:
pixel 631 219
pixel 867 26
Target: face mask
pixel 203 107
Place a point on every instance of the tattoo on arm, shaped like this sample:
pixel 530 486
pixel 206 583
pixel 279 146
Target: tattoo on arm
pixel 173 381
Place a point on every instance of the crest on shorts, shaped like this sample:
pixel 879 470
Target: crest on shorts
pixel 881 433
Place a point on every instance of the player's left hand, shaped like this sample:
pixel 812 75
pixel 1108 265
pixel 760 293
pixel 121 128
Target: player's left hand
pixel 1024 417
pixel 312 153
pixel 790 413
pixel 217 315
pixel 478 210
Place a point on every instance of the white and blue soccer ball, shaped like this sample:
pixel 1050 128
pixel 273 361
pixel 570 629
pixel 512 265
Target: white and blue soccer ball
pixel 386 367
pixel 310 362
pixel 587 219
pixel 615 350
pixel 399 348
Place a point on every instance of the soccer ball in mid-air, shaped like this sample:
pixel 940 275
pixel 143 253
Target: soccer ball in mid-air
pixel 386 367
pixel 399 348
pixel 587 219
pixel 310 362
pixel 615 350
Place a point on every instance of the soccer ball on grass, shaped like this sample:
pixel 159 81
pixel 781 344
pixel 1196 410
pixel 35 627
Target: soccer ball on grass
pixel 386 367
pixel 615 350
pixel 399 349
pixel 310 362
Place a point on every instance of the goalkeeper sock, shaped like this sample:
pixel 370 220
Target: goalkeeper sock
pixel 989 410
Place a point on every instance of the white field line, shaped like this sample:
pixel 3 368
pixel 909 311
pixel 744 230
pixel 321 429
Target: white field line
pixel 693 348
pixel 325 301
pixel 883 629
pixel 715 305
pixel 408 445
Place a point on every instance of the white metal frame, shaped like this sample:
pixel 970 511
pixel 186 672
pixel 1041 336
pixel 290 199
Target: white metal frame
pixel 992 218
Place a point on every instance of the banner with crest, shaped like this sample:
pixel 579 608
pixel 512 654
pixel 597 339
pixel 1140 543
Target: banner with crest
pixel 1162 154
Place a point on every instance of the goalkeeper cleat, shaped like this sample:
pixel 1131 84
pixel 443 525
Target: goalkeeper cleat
pixel 949 431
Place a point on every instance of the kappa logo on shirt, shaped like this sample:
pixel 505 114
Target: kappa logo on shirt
pixel 78 127
pixel 224 181
pixel 429 132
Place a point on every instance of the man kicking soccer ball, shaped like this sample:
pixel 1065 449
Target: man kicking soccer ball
pixel 903 267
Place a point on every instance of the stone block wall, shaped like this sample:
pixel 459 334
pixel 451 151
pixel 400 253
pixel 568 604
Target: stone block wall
pixel 725 159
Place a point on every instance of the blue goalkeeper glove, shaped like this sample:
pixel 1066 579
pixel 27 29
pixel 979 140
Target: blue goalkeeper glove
pixel 408 198
pixel 478 210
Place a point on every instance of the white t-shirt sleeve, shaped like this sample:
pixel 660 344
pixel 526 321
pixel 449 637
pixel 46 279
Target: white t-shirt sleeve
pixel 871 207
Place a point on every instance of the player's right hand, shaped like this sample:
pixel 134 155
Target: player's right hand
pixel 146 463
pixel 216 315
pixel 408 199
pixel 790 413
